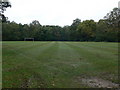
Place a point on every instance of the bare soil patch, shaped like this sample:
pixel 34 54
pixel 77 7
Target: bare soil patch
pixel 96 82
pixel 34 81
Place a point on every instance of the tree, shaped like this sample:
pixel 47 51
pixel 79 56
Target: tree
pixel 10 31
pixel 113 18
pixel 113 21
pixel 66 33
pixel 86 30
pixel 75 24
pixel 35 23
pixel 34 29
pixel 3 5
pixel 101 30
pixel 104 30
pixel 73 29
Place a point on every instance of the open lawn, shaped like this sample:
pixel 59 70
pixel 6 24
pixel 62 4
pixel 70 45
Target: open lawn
pixel 59 64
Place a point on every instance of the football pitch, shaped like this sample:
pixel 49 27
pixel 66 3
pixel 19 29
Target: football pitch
pixel 55 64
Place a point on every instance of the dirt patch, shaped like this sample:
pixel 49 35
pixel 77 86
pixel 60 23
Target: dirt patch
pixel 34 81
pixel 97 82
pixel 110 77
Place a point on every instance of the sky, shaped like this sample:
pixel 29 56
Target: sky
pixel 58 12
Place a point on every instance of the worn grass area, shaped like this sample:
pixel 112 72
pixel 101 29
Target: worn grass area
pixel 59 64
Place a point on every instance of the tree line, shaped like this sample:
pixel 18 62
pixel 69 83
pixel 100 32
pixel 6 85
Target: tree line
pixel 106 29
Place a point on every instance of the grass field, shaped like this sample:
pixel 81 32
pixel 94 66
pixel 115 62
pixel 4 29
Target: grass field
pixel 59 64
pixel 0 64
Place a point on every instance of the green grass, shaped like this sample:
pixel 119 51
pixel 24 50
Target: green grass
pixel 57 64
pixel 0 64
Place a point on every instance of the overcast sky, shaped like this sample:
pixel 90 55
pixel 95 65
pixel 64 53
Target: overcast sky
pixel 58 12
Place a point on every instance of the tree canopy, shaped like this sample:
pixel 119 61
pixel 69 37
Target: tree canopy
pixel 3 5
pixel 106 29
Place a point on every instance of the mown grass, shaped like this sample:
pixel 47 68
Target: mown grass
pixel 0 64
pixel 57 64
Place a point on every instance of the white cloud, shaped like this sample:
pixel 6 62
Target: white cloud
pixel 58 12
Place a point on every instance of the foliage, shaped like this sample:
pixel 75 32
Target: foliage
pixel 86 30
pixel 3 5
pixel 106 29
